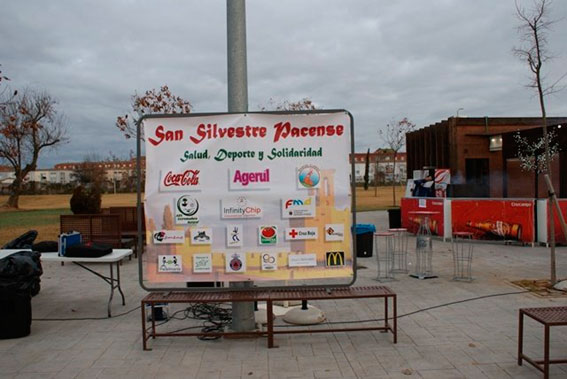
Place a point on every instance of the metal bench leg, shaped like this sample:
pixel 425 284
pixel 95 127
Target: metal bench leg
pixel 395 319
pixel 386 314
pixel 270 315
pixel 144 337
pixel 546 353
pixel 520 337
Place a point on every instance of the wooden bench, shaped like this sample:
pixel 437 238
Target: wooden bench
pixel 269 296
pixel 548 316
pixel 129 223
pixel 103 228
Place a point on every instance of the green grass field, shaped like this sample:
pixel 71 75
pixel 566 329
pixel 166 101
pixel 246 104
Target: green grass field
pixel 41 212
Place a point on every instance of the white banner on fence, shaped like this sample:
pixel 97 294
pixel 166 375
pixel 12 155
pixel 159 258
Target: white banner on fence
pixel 243 187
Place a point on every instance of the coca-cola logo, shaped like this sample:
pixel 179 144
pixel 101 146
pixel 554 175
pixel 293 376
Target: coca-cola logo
pixel 189 178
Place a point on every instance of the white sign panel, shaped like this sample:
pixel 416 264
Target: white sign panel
pixel 334 232
pixel 302 260
pixel 201 236
pixel 235 262
pixel 269 261
pixel 182 181
pixel 251 179
pixel 293 234
pixel 225 191
pixel 168 236
pixel 202 263
pixel 240 207
pixel 234 235
pixel 299 207
pixel 170 263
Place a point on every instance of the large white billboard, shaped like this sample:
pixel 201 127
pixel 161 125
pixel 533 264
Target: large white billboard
pixel 255 196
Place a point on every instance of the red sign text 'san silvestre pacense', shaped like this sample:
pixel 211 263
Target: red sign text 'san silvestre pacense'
pixel 282 130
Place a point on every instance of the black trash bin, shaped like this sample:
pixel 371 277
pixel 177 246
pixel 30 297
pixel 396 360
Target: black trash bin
pixel 364 238
pixel 19 279
pixel 395 218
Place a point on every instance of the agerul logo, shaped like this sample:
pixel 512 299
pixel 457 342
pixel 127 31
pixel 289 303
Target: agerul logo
pixel 187 205
pixel 309 176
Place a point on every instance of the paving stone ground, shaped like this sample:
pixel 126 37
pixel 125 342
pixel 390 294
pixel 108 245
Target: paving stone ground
pixel 474 339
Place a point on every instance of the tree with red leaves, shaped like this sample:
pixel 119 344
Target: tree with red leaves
pixel 153 101
pixel 29 123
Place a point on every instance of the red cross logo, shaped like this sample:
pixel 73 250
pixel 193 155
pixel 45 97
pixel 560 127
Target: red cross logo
pixel 292 233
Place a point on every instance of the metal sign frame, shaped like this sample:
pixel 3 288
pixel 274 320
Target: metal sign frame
pixel 140 245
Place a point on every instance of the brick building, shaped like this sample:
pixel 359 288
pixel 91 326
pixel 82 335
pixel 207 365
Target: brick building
pixel 381 168
pixel 471 147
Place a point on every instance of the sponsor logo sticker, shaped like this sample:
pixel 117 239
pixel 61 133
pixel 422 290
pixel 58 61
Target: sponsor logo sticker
pixel 302 207
pixel 302 260
pixel 308 176
pixel 249 180
pixel 269 261
pixel 268 235
pixel 335 258
pixel 201 236
pixel 202 263
pixel 186 209
pixel 334 232
pixel 234 235
pixel 168 236
pixel 301 233
pixel 240 207
pixel 169 263
pixel 235 262
pixel 182 181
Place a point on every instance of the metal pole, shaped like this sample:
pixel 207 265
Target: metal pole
pixel 242 313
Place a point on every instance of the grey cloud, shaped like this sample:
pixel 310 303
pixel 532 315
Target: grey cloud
pixel 378 59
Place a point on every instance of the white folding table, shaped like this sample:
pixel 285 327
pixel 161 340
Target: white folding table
pixel 112 259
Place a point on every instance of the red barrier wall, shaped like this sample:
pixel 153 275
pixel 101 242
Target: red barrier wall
pixel 559 236
pixel 411 222
pixel 494 219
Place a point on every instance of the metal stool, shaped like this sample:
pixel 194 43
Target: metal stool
pixel 462 255
pixel 400 250
pixel 384 255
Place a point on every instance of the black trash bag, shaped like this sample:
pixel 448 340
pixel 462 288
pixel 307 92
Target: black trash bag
pixel 25 241
pixel 46 246
pixel 20 272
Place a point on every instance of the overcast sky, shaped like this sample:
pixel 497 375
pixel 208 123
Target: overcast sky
pixel 379 59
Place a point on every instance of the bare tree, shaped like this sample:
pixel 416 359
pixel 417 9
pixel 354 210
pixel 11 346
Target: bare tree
pixel 305 104
pixel 366 169
pixel 533 29
pixel 153 101
pixel 29 123
pixel 90 172
pixel 395 138
pixel 5 100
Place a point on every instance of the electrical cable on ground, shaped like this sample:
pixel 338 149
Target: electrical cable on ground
pixel 217 318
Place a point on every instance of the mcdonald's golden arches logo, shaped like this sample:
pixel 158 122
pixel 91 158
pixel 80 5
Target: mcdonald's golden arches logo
pixel 335 258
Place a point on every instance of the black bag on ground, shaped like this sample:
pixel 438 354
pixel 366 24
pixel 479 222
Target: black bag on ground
pixel 88 250
pixel 19 281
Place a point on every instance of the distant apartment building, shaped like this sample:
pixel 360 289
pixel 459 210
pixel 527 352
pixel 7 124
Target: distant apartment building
pixel 114 170
pixel 65 173
pixel 381 166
